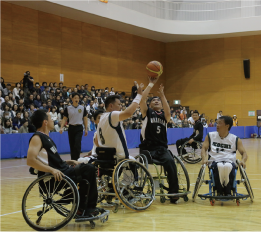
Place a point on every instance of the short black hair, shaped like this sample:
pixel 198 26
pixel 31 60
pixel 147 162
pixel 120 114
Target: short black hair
pixel 111 99
pixel 153 98
pixel 97 113
pixel 75 94
pixel 38 117
pixel 228 121
pixel 195 112
pixel 44 83
pixel 8 84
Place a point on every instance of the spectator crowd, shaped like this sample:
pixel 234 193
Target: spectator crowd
pixel 18 104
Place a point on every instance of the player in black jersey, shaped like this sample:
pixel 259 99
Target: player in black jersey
pixel 154 134
pixel 196 136
pixel 43 156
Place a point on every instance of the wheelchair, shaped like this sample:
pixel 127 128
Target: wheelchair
pixel 193 152
pixel 212 195
pixel 49 205
pixel 127 183
pixel 183 178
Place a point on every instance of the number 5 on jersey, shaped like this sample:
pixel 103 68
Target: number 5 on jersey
pixel 158 129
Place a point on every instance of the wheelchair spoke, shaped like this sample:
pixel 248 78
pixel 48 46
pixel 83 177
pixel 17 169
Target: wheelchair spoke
pixel 42 190
pixel 48 192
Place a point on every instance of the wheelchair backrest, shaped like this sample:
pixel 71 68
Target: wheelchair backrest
pixel 106 153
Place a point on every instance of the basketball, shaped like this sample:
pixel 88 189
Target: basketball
pixel 154 69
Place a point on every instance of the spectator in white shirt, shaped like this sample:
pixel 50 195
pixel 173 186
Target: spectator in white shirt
pixel 54 115
pixel 95 104
pixel 219 114
pixel 8 126
pixel 191 122
pixel 57 127
pixel 2 100
pixel 112 91
pixel 16 90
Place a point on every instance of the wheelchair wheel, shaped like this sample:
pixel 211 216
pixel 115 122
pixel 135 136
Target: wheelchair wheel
pixel 183 177
pixel 133 185
pixel 48 205
pixel 246 181
pixel 199 182
pixel 193 152
pixel 143 160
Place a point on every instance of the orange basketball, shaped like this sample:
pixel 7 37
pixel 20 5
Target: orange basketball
pixel 154 69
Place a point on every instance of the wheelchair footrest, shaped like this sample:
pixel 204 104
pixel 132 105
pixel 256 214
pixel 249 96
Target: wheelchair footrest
pixel 103 217
pixel 173 194
pixel 241 196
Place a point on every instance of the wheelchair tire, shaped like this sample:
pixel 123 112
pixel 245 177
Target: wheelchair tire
pixel 42 193
pixel 183 176
pixel 142 159
pixel 200 180
pixel 131 191
pixel 246 181
pixel 192 156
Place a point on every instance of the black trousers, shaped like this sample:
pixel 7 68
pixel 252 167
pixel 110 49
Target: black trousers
pixel 75 140
pixel 226 189
pixel 179 143
pixel 163 155
pixel 87 172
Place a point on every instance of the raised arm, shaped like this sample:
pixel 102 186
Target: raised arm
pixel 205 147
pixel 32 161
pixel 143 103
pixel 165 104
pixel 242 151
pixel 133 106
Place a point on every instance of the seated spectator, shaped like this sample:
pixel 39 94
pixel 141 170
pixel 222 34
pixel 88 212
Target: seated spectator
pixel 21 110
pixel 211 124
pixel 2 84
pixel 45 95
pixel 51 85
pixel 87 92
pixel 181 116
pixel 95 104
pixel 31 110
pixel 19 96
pixel 11 99
pixel 190 114
pixel 57 127
pixel 185 123
pixel 54 115
pixel 37 101
pixel 60 114
pixel 16 90
pixel 55 86
pixel 6 102
pixel 173 116
pixel 24 127
pixel 202 116
pixel 204 123
pixel 99 98
pixel 8 112
pixel 2 100
pixel 61 86
pixel 15 109
pixel 171 110
pixel 57 92
pixel 7 90
pixel 101 106
pixel 1 127
pixel 215 124
pixel 191 121
pixel 137 124
pixel 92 124
pixel 37 88
pixel 69 92
pixel 49 105
pixel 235 122
pixel 8 127
pixel 29 101
pixel 44 85
pixel 17 122
pixel 112 91
pixel 170 124
pixel 179 121
pixel 64 92
pixel 43 107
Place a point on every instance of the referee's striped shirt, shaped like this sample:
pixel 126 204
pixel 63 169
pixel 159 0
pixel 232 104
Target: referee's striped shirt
pixel 75 114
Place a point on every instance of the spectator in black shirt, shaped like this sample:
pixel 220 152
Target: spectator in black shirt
pixel 64 92
pixel 44 84
pixel 20 96
pixel 49 106
pixel 29 101
pixel 196 136
pixel 6 102
pixel 37 88
pixel 61 86
pixel 28 83
pixel 21 110
pixel 2 84
pixel 37 101
pixel 7 90
pixel 17 121
pixel 134 90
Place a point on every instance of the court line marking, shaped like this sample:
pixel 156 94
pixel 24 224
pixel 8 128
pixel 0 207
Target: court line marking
pixel 35 207
pixel 17 178
pixel 14 166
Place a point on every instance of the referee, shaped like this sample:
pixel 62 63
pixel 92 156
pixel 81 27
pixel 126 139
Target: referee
pixel 77 115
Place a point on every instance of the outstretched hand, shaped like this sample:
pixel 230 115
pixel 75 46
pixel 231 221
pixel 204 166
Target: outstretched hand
pixel 152 79
pixel 140 87
pixel 161 89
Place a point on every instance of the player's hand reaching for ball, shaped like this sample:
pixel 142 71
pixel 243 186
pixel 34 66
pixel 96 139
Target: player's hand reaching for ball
pixel 140 87
pixel 161 89
pixel 58 175
pixel 153 80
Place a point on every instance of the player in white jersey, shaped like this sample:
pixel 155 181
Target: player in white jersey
pixel 110 132
pixel 221 158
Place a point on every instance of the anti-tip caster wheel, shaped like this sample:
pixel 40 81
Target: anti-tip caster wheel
pixel 162 199
pixel 212 202
pixel 186 198
pixel 92 224
pixel 238 202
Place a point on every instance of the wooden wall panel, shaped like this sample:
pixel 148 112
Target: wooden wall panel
pixel 208 75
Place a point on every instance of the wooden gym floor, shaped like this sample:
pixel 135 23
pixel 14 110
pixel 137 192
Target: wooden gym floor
pixel 198 216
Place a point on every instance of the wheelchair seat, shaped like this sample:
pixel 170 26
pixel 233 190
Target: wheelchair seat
pixel 150 159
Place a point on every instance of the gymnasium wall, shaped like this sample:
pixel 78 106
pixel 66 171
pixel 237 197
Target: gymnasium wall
pixel 208 75
pixel 48 45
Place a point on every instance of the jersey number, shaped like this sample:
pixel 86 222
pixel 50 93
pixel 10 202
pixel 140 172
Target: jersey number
pixel 101 137
pixel 158 129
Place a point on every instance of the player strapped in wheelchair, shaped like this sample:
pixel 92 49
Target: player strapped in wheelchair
pixel 50 205
pixel 127 182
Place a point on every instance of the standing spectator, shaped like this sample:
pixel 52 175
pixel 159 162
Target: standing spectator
pixel 31 110
pixel 19 96
pixel 235 122
pixel 2 84
pixel 15 109
pixel 219 114
pixel 17 122
pixel 92 124
pixel 8 127
pixel 54 115
pixel 44 84
pixel 134 90
pixel 29 101
pixel 185 123
pixel 211 124
pixel 27 83
pixel 37 101
pixel 37 88
pixel 1 126
pixel 77 115
pixel 16 90
pixel 112 91
pixel 24 127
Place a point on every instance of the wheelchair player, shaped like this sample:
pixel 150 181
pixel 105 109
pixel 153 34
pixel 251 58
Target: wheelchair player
pixel 222 147
pixel 43 156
